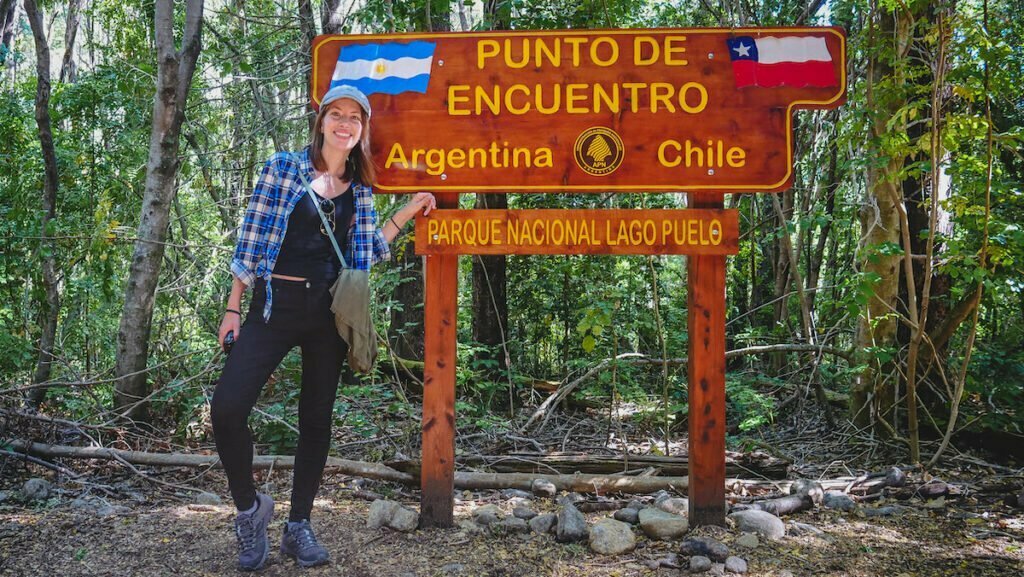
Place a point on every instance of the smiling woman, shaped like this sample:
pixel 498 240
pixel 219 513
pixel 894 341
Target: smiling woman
pixel 290 251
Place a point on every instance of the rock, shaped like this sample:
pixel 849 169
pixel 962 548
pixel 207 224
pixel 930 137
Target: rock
pixel 895 477
pixel 611 537
pixel 717 570
pixel 676 505
pixel 661 496
pixel 515 494
pixel 839 500
pixel 510 526
pixel 671 561
pixel 735 565
pixel 653 564
pixel 810 488
pixel 570 499
pixel 4 495
pixel 747 541
pixel 524 513
pixel 936 503
pixel 804 529
pixel 699 564
pixel 519 502
pixel 763 523
pixel 488 514
pixel 487 518
pixel 932 490
pixel 635 504
pixel 96 506
pixel 205 498
pixel 785 573
pixel 470 528
pixel 627 515
pixel 384 513
pixel 881 511
pixel 572 526
pixel 545 523
pixel 405 520
pixel 543 488
pixel 658 524
pixel 453 569
pixel 36 489
pixel 704 546
pixel 268 488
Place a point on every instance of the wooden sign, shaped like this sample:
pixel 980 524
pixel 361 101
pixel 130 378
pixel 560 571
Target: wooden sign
pixel 578 110
pixel 578 232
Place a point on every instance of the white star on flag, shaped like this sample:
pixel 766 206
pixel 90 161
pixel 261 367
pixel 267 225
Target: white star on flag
pixel 742 50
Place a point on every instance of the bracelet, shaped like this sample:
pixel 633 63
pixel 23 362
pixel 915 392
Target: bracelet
pixel 394 222
pixel 239 313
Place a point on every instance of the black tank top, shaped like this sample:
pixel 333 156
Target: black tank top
pixel 305 251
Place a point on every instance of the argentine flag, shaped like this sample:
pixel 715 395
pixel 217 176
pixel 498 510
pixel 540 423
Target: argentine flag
pixel 390 68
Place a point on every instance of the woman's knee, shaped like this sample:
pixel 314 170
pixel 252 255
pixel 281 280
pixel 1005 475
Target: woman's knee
pixel 226 412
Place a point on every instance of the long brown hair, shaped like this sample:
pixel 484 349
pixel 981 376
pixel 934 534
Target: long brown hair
pixel 359 167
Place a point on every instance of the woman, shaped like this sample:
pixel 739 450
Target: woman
pixel 286 257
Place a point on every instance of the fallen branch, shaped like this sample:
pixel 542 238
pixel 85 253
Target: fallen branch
pixel 581 483
pixel 524 481
pixel 757 464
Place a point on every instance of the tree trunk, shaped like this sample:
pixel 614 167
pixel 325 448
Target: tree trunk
pixel 490 308
pixel 50 310
pixel 818 253
pixel 8 18
pixel 874 392
pixel 308 27
pixel 174 77
pixel 68 70
pixel 331 18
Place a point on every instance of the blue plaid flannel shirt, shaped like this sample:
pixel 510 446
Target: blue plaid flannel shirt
pixel 266 219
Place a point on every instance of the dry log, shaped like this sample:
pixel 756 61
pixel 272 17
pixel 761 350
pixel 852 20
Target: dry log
pixel 756 464
pixel 463 480
pixel 785 505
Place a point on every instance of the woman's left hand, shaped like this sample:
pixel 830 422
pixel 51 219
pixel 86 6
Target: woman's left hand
pixel 424 201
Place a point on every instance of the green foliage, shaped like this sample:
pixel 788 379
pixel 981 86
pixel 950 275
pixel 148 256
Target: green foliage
pixel 566 313
pixel 746 405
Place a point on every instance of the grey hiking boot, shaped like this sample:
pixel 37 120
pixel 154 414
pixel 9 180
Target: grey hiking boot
pixel 251 532
pixel 300 544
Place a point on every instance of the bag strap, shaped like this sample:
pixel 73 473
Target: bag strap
pixel 323 219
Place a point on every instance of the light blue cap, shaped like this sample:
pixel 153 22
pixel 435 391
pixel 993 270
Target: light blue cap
pixel 346 91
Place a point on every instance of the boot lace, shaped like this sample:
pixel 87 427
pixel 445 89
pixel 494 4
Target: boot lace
pixel 245 531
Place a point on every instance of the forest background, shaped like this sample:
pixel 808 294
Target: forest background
pixel 882 296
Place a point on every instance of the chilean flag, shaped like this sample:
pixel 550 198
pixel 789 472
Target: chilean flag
pixel 785 61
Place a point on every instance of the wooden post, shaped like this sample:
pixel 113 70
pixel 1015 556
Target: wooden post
pixel 706 379
pixel 437 479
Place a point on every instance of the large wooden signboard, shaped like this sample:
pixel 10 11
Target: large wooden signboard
pixel 706 111
pixel 559 111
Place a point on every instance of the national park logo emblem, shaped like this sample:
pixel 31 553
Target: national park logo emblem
pixel 598 151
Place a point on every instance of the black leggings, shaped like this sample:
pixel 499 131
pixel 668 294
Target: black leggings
pixel 301 316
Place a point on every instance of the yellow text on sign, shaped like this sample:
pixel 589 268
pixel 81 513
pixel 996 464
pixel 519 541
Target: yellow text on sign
pixel 578 232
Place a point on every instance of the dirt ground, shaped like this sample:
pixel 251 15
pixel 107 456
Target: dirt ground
pixel 174 539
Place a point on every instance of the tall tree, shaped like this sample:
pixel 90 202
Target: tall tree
pixel 892 84
pixel 67 67
pixel 50 311
pixel 175 69
pixel 8 17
